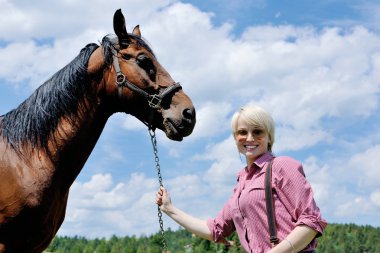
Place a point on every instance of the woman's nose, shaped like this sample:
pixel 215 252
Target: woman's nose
pixel 250 137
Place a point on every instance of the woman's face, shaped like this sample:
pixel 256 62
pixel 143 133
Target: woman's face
pixel 251 141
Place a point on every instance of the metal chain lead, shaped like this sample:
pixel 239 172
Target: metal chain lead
pixel 157 160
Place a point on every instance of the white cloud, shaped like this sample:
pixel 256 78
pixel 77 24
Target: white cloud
pixel 375 198
pixel 354 208
pixel 222 174
pixel 296 139
pixel 186 186
pixel 319 176
pixel 43 19
pixel 131 123
pixel 346 187
pixel 32 63
pixel 365 165
pixel 212 119
pixel 113 207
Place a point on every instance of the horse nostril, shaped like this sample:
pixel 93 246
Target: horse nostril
pixel 188 113
pixel 188 121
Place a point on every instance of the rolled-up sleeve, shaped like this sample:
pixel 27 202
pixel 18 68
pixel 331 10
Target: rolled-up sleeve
pixel 222 225
pixel 296 194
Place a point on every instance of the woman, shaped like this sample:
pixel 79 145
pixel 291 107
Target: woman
pixel 298 218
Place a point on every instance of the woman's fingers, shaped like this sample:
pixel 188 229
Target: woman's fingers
pixel 162 197
pixel 159 195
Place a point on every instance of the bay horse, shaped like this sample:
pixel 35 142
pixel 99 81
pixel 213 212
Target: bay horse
pixel 46 140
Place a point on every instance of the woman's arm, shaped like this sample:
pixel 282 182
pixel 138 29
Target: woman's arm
pixel 194 225
pixel 295 192
pixel 296 241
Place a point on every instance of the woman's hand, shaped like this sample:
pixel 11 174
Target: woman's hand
pixel 194 225
pixel 163 199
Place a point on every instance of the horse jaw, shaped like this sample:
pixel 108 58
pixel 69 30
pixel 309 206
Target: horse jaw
pixel 172 131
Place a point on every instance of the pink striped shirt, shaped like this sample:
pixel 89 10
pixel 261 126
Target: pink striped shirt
pixel 245 211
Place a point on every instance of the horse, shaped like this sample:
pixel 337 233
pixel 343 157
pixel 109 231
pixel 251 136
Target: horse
pixel 46 140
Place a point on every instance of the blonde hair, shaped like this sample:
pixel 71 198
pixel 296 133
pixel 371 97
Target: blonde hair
pixel 255 116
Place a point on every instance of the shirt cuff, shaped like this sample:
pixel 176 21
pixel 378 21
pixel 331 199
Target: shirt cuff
pixel 313 222
pixel 216 231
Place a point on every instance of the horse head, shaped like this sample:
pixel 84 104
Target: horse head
pixel 143 87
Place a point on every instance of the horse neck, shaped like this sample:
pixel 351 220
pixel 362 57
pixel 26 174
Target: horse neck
pixel 72 144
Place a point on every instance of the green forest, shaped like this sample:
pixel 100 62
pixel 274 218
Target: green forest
pixel 337 238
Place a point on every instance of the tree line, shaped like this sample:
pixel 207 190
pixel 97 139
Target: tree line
pixel 337 238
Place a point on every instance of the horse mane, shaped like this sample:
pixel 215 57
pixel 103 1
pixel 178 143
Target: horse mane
pixel 35 119
pixel 38 116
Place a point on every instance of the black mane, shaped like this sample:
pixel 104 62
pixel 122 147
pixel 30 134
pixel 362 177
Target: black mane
pixel 35 119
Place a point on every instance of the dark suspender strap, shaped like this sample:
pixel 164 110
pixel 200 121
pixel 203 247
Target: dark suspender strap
pixel 270 205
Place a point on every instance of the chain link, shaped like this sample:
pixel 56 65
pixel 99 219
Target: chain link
pixel 157 160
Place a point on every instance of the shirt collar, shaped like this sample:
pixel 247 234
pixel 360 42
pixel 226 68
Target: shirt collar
pixel 261 161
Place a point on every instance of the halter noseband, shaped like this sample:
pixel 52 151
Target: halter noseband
pixel 154 101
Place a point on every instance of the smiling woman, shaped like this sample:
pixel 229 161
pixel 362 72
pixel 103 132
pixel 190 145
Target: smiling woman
pixel 297 221
pixel 47 139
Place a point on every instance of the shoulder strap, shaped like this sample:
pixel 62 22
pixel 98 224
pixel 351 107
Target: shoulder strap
pixel 270 205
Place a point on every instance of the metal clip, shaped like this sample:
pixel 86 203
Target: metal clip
pixel 120 79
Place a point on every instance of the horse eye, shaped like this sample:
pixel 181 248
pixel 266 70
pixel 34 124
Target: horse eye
pixel 126 56
pixel 146 63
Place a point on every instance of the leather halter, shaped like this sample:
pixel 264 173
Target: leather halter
pixel 154 101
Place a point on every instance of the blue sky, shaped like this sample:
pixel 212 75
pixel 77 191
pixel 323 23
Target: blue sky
pixel 313 64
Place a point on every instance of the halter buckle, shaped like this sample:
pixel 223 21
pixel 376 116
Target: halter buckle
pixel 154 101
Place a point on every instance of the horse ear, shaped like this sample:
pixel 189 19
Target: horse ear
pixel 119 27
pixel 136 31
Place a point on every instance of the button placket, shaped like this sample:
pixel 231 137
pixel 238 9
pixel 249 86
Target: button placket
pixel 244 220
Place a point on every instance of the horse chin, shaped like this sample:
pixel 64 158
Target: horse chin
pixel 172 130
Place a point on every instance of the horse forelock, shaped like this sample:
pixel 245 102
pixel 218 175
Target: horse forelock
pixel 35 119
pixel 108 44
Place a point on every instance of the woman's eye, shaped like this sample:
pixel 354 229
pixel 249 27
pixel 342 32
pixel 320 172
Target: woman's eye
pixel 242 132
pixel 258 132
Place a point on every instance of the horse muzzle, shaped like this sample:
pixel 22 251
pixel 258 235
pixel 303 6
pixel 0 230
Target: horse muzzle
pixel 176 128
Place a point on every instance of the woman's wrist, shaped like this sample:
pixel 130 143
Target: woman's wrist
pixel 167 209
pixel 290 243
